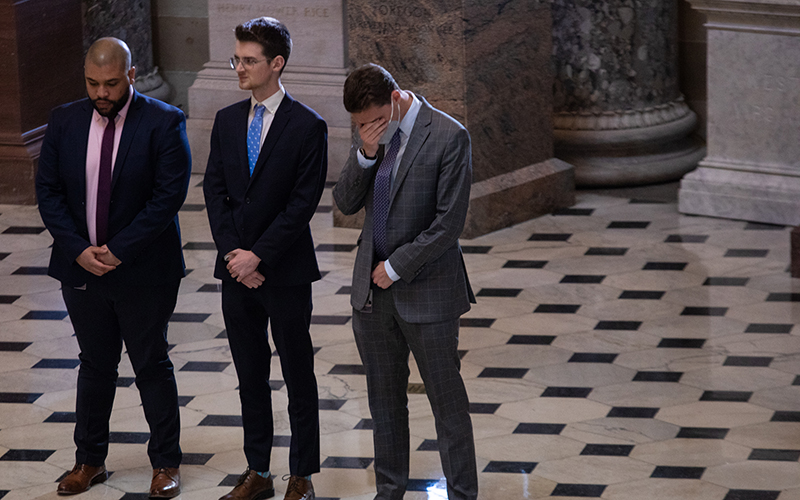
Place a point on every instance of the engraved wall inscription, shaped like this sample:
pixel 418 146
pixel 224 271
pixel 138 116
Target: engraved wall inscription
pixel 316 28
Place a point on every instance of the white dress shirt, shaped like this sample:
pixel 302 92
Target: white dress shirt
pixel 271 103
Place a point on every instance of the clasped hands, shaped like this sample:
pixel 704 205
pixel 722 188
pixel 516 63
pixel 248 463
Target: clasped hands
pixel 98 260
pixel 243 265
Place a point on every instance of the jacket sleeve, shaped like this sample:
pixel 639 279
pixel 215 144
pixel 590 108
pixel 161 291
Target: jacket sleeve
pixel 51 194
pixel 350 192
pixel 172 173
pixel 452 202
pixel 215 190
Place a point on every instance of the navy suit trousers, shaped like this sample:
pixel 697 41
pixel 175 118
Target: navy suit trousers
pixel 104 316
pixel 287 310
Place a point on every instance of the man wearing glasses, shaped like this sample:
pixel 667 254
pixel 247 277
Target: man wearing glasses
pixel 265 176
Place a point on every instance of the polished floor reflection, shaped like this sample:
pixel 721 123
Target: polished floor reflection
pixel 618 350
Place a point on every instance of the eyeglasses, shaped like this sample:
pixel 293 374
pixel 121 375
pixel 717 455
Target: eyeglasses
pixel 247 62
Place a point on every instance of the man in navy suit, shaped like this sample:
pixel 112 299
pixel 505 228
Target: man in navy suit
pixel 265 176
pixel 113 173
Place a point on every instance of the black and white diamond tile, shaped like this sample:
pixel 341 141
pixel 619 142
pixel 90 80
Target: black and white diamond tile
pixel 617 350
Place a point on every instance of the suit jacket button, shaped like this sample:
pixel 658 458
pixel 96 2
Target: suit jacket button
pixel 247 200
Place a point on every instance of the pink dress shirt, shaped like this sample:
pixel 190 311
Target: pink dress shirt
pixel 93 161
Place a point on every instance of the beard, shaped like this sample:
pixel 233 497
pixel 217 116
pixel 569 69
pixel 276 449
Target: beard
pixel 115 105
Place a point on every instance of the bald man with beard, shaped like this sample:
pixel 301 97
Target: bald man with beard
pixel 113 173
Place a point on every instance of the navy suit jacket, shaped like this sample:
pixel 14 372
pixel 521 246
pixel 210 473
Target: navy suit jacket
pixel 149 184
pixel 269 212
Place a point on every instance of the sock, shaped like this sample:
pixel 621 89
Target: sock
pixel 308 477
pixel 265 475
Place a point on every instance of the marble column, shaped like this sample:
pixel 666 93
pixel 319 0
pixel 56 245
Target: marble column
pixel 487 64
pixel 41 67
pixel 314 74
pixel 619 116
pixel 752 170
pixel 130 21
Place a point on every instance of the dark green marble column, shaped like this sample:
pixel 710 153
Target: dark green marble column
pixel 130 21
pixel 619 115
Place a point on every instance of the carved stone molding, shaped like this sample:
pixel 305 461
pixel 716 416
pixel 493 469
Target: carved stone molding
pixel 623 118
pixel 637 128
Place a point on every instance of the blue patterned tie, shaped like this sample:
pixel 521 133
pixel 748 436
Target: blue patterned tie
pixel 254 137
pixel 380 200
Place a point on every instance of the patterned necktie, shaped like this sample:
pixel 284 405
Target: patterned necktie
pixel 254 137
pixel 380 200
pixel 104 183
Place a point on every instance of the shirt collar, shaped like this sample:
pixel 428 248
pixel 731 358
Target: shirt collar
pixel 272 102
pixel 407 122
pixel 121 114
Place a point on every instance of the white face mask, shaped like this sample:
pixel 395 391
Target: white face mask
pixel 394 124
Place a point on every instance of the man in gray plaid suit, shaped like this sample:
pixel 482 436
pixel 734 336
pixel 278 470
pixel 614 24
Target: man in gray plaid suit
pixel 410 166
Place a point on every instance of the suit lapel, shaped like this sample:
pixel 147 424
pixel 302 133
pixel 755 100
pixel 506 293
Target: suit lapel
pixel 128 132
pixel 82 144
pixel 279 122
pixel 419 133
pixel 240 133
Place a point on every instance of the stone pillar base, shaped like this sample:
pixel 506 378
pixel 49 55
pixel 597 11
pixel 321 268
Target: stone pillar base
pixel 635 167
pixel 728 190
pixel 506 199
pixel 517 196
pixel 152 85
pixel 627 148
pixel 355 221
pixel 19 157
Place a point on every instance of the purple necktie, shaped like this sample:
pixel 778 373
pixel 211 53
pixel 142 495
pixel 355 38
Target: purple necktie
pixel 104 183
pixel 380 199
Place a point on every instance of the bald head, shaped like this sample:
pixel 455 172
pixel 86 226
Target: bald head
pixel 109 75
pixel 109 51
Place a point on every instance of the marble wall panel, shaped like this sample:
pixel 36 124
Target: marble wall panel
pixel 754 99
pixel 486 64
pixel 181 43
pixel 508 82
pixel 316 27
pixel 41 68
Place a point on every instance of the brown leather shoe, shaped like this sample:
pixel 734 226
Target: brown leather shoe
pixel 251 486
pixel 81 478
pixel 299 488
pixel 166 482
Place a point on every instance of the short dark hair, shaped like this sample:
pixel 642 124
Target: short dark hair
pixel 271 34
pixel 367 86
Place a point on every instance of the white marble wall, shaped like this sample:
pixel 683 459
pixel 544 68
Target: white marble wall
pixel 752 170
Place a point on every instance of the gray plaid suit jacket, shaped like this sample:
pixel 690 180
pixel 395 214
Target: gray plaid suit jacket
pixel 428 206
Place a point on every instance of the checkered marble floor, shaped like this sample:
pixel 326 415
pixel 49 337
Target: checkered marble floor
pixel 618 350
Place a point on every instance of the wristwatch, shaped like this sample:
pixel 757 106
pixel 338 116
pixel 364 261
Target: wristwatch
pixel 364 154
